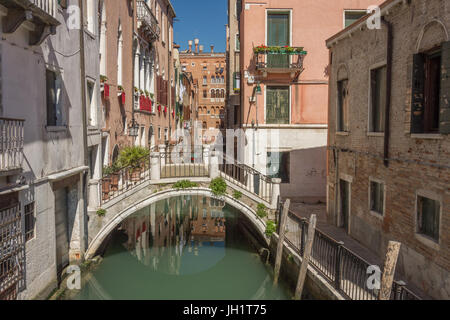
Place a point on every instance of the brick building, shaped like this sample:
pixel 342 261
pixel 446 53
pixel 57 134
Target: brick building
pixel 388 142
pixel 208 69
pixel 136 46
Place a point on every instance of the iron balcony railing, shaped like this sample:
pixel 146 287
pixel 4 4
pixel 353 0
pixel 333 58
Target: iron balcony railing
pixel 341 267
pixel 147 20
pixel 11 143
pixel 280 59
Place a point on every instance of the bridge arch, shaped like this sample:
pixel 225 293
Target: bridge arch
pixel 114 221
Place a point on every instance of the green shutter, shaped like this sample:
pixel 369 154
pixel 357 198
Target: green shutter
pixel 444 116
pixel 417 101
pixel 278 35
pixel 234 80
pixel 277 105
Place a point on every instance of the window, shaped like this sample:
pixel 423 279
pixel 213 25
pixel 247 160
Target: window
pixel 159 133
pixel 277 105
pixel 213 79
pixel 342 108
pixel 238 42
pixel 166 134
pixel 377 99
pixel 237 81
pixel 204 126
pixel 428 212
pixel 278 34
pixel 90 15
pixel 217 125
pixel 429 90
pixel 91 105
pixel 205 80
pixel 54 103
pixel 278 165
pixel 29 221
pixel 213 93
pixel 236 115
pixel 377 197
pixel 351 16
pixel 205 94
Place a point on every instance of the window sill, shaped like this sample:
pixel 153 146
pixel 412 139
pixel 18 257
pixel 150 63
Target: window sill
pixel 431 136
pixel 342 133
pixel 376 214
pixel 427 241
pixel 56 128
pixel 375 134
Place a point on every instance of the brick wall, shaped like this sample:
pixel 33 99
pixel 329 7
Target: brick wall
pixel 417 163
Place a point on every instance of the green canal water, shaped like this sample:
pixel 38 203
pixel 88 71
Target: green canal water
pixel 182 248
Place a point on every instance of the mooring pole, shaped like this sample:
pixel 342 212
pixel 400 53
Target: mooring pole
pixel 389 270
pixel 281 235
pixel 306 257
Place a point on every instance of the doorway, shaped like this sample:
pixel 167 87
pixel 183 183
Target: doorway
pixel 344 208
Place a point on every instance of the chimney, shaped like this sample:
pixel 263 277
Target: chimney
pixel 196 45
pixel 190 45
pixel 201 49
pixel 212 49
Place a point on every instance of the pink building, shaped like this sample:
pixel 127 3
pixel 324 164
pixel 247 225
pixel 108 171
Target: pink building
pixel 284 90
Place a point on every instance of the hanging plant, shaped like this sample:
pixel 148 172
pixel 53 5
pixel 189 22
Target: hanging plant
pixel 147 93
pixel 120 88
pixel 103 78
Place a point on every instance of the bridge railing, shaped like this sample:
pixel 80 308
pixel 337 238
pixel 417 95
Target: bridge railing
pixel 124 179
pixel 341 267
pixel 177 163
pixel 247 178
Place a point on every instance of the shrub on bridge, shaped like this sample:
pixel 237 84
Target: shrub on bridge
pixel 261 210
pixel 185 184
pixel 237 195
pixel 218 186
pixel 271 227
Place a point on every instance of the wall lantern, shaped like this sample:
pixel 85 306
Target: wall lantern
pixel 134 128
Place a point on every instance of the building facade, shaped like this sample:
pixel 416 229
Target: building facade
pixel 284 85
pixel 233 96
pixel 388 138
pixel 49 109
pixel 208 70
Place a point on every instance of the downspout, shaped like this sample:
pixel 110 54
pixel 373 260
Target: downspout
pixel 388 90
pixel 169 74
pixel 84 118
pixel 133 50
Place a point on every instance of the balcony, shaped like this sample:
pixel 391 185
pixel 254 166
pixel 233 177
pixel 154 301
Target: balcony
pixel 279 59
pixel 41 13
pixel 147 22
pixel 11 145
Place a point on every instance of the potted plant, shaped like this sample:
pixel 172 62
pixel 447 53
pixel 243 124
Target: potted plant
pixel 103 78
pixel 147 93
pixel 132 157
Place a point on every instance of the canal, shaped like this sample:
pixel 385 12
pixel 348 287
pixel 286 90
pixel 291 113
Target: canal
pixel 181 248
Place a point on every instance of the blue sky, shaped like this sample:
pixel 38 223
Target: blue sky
pixel 203 19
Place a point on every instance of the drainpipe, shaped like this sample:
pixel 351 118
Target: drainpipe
pixel 388 89
pixel 84 118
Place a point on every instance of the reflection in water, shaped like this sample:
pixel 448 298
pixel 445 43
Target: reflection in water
pixel 181 248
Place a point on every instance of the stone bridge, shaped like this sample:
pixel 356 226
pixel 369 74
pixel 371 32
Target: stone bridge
pixel 131 189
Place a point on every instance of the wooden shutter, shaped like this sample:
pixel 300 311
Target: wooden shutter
pixel 417 101
pixel 444 105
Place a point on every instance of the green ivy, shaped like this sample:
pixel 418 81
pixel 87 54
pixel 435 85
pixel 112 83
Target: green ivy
pixel 271 227
pixel 101 212
pixel 218 186
pixel 185 184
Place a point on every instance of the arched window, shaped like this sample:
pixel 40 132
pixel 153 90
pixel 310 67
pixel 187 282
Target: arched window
pixel 222 79
pixel 213 79
pixel 222 93
pixel 217 93
pixel 213 93
pixel 115 154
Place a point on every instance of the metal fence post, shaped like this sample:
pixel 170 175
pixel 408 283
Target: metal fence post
pixel 302 237
pixel 337 267
pixel 398 286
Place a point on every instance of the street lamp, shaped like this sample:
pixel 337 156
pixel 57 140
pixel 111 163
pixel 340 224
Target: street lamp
pixel 134 128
